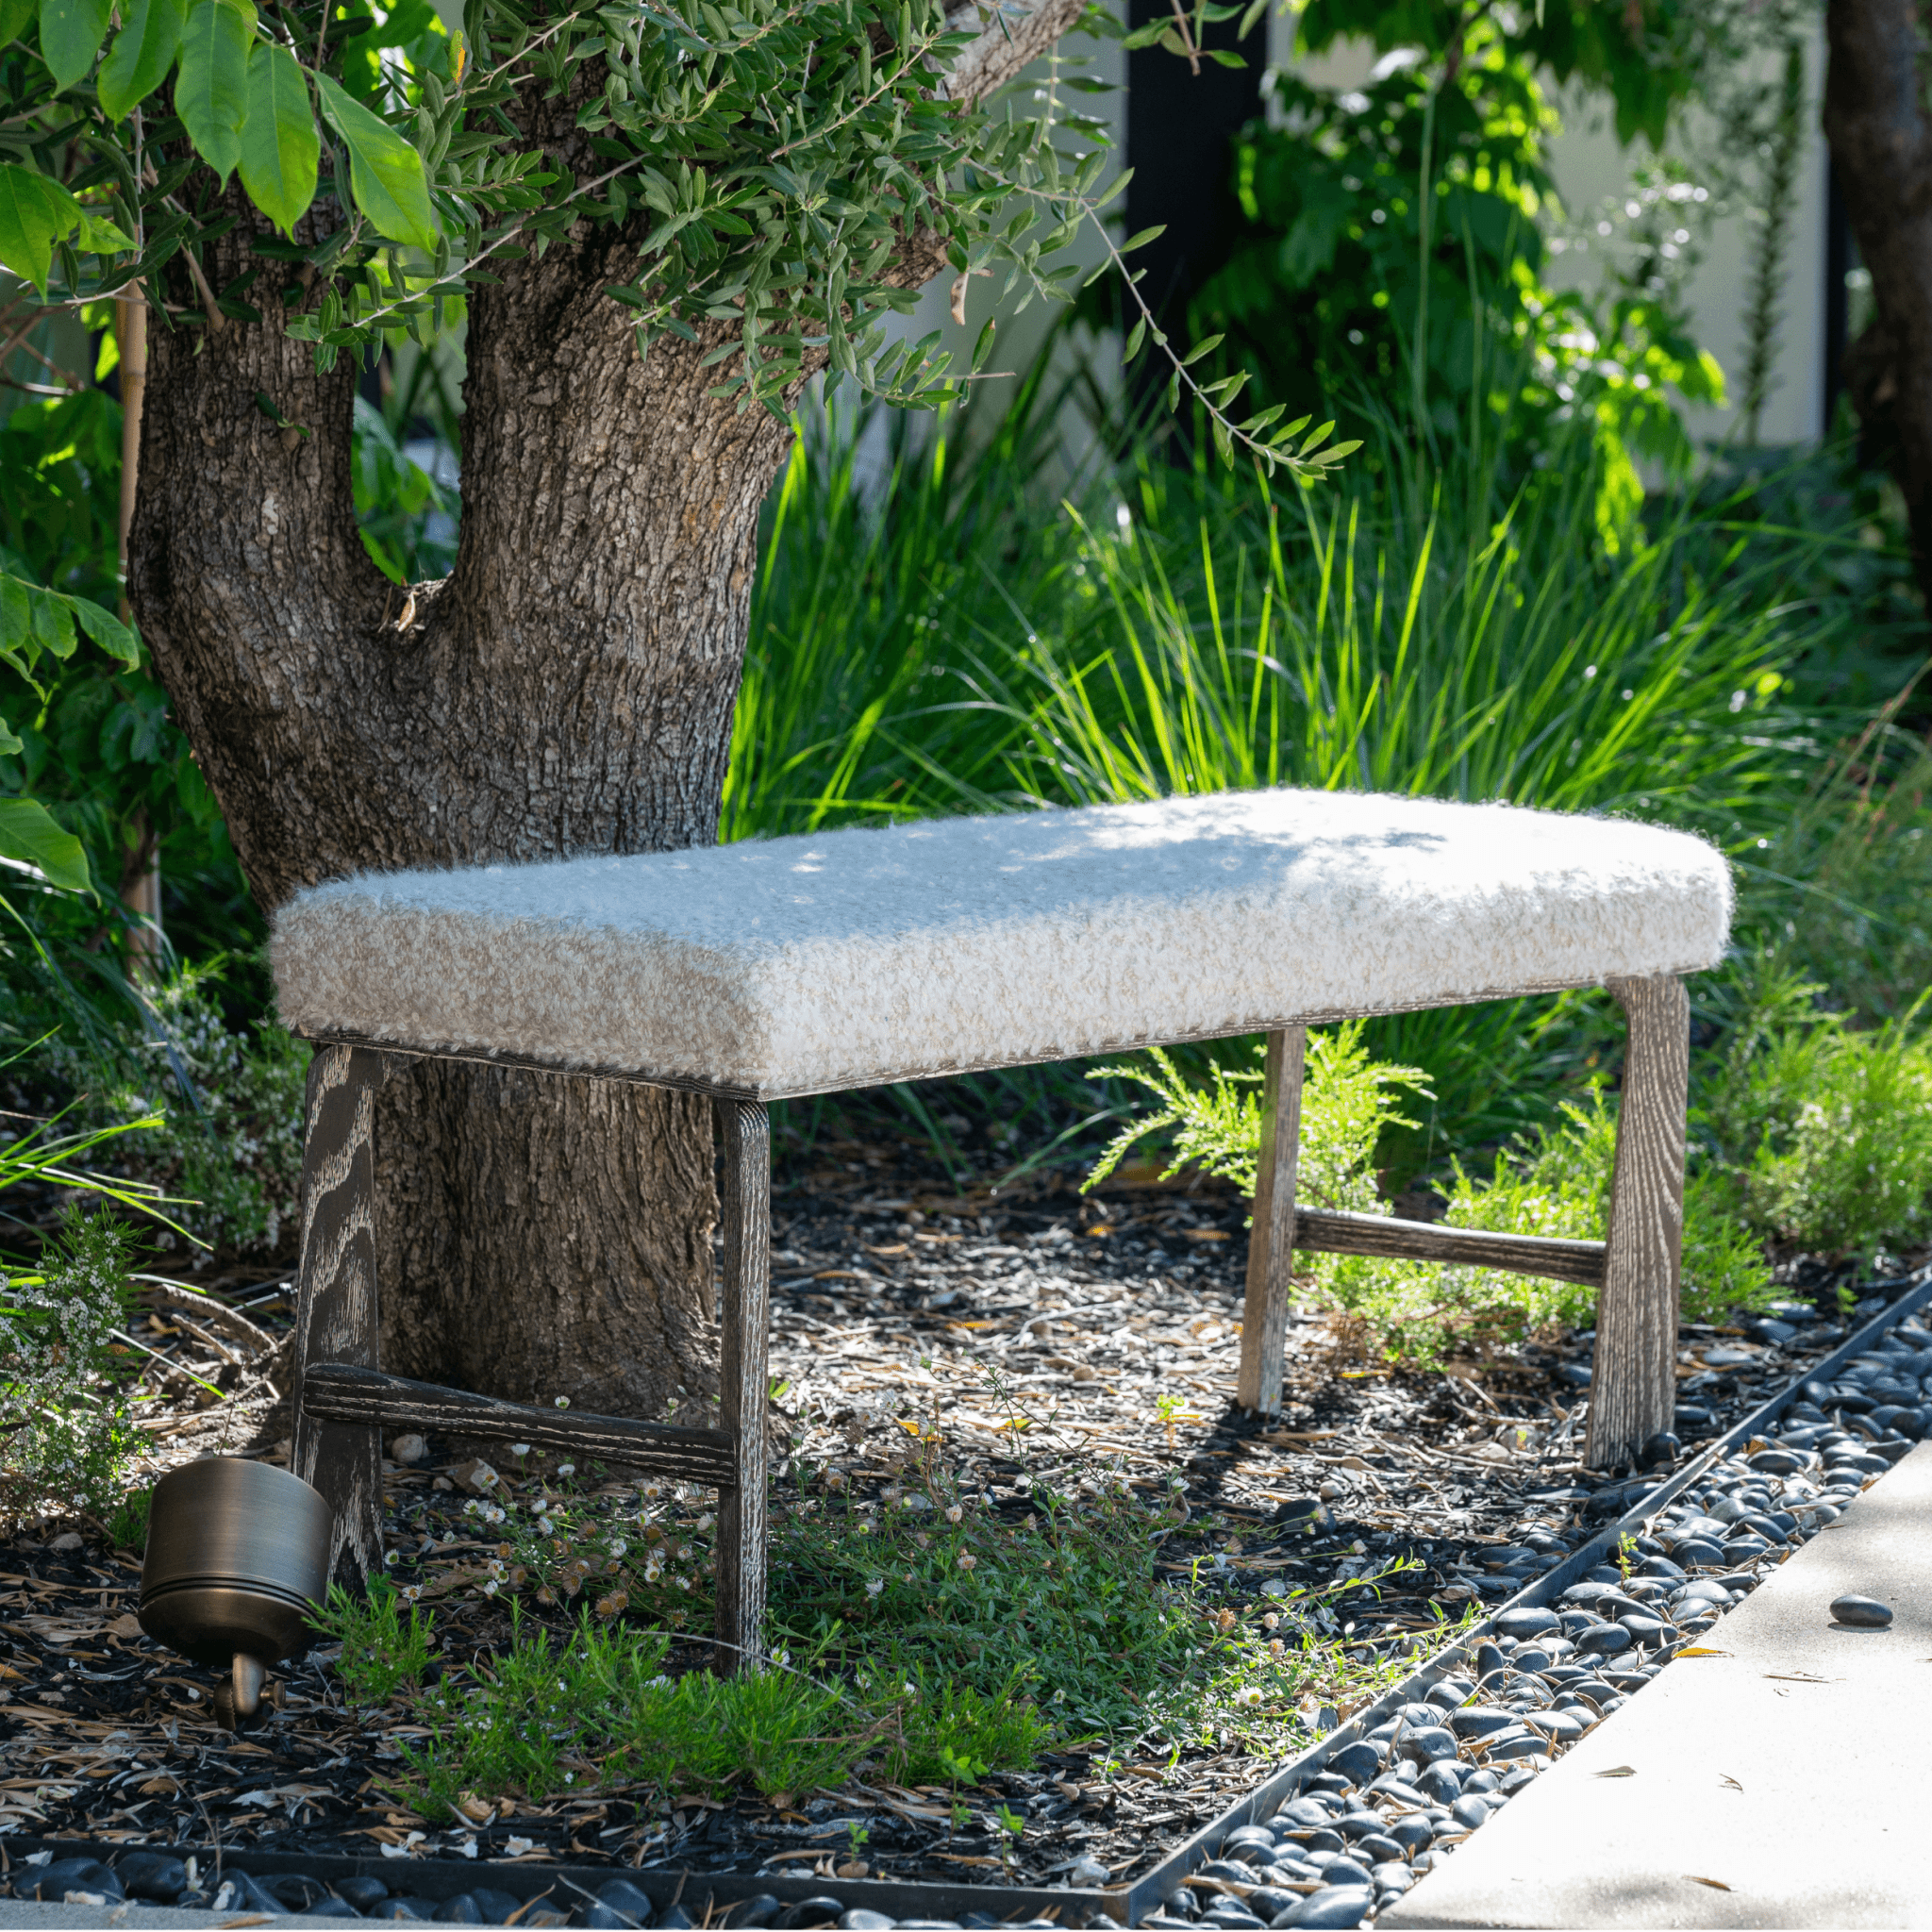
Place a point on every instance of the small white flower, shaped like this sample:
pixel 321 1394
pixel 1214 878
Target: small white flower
pixel 684 1583
pixel 564 1402
pixel 489 1586
pixel 566 1468
pixel 618 1548
pixel 706 1521
pixel 414 1591
pixel 520 1450
pixel 874 1585
pixel 1249 1696
pixel 391 1556
pixel 955 1514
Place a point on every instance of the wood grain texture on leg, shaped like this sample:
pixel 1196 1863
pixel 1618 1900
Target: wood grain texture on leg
pixel 1633 1389
pixel 336 1312
pixel 1270 1246
pixel 743 1378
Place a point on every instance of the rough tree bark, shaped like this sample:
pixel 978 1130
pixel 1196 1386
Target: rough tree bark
pixel 1880 133
pixel 567 690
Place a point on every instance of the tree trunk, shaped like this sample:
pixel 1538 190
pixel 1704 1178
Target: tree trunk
pixel 567 690
pixel 1881 146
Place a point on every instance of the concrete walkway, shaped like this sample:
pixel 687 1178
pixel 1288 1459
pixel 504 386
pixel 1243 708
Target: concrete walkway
pixel 1786 1783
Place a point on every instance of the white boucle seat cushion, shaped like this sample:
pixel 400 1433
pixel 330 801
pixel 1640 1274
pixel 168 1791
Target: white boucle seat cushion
pixel 803 965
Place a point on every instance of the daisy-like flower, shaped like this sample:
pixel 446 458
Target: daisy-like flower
pixel 489 1586
pixel 497 1567
pixel 874 1585
pixel 704 1521
pixel 684 1583
pixel 1271 1620
pixel 967 1560
pixel 653 1569
pixel 566 1468
pixel 391 1557
pixel 413 1592
pixel 652 1490
pixel 471 1507
pixel 1250 1696
pixel 449 1536
pixel 520 1450
pixel 955 1514
pixel 564 1402
pixel 618 1548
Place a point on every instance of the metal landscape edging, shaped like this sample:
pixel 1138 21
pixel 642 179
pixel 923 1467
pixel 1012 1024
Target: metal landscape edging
pixel 446 1878
pixel 1147 1891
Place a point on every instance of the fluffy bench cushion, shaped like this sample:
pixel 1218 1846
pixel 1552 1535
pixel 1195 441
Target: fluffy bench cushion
pixel 810 964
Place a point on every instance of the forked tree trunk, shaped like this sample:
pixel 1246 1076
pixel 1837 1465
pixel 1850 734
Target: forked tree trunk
pixel 1876 120
pixel 567 690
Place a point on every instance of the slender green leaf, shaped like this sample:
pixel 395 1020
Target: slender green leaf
pixel 212 90
pixel 35 213
pixel 279 145
pixel 29 835
pixel 385 173
pixel 1142 237
pixel 142 52
pixel 70 32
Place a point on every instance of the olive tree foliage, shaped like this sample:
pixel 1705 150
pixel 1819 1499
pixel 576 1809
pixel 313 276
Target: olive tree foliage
pixel 784 151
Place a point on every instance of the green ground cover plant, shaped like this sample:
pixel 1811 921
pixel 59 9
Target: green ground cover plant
pixel 919 1634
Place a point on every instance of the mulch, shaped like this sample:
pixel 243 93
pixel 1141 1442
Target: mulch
pixel 1043 1337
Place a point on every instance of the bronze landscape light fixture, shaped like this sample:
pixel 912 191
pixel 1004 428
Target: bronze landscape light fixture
pixel 237 1557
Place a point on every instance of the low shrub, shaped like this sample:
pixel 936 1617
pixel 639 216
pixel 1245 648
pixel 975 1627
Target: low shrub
pixel 1825 1126
pixel 65 1435
pixel 226 1107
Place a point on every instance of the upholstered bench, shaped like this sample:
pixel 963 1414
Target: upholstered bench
pixel 806 965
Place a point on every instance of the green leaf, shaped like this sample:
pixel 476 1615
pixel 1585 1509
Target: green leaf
pixel 10 744
pixel 1200 349
pixel 212 90
pixel 983 347
pixel 15 17
pixel 35 213
pixel 108 631
pixel 142 52
pixel 52 624
pixel 385 172
pixel 1141 238
pixel 99 236
pixel 279 145
pixel 29 835
pixel 1224 56
pixel 70 34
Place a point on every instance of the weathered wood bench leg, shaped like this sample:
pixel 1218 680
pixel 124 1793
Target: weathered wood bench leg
pixel 1270 1246
pixel 743 1379
pixel 1633 1391
pixel 336 1313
